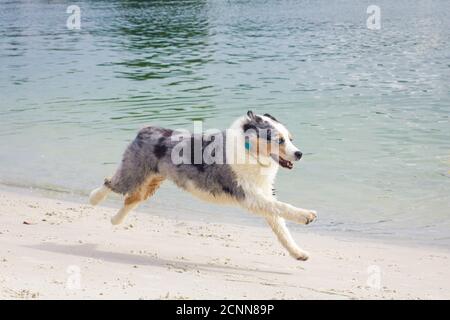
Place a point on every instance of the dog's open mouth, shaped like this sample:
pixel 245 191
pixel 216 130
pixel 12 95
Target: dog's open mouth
pixel 282 162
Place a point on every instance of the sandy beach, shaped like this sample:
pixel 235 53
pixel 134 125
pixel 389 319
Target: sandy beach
pixel 52 248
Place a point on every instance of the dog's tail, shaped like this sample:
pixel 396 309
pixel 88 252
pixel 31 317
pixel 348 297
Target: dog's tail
pixel 98 195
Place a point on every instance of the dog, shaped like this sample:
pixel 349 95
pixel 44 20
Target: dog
pixel 236 166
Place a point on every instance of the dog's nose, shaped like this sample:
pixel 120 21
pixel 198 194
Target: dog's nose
pixel 298 155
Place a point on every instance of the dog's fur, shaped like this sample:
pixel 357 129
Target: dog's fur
pixel 148 161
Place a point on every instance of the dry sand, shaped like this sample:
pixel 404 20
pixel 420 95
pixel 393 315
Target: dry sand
pixel 68 250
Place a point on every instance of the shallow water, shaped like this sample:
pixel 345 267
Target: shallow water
pixel 369 109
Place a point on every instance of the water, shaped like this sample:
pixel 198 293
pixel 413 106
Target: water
pixel 369 109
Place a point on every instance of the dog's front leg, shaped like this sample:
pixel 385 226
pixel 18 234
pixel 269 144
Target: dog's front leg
pixel 270 206
pixel 278 226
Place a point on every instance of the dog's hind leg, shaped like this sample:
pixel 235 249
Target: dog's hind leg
pixel 278 226
pixel 132 200
pixel 99 194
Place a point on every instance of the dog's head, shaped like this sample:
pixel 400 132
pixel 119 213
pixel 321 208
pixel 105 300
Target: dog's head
pixel 267 137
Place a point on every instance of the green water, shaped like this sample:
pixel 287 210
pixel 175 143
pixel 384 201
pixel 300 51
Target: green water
pixel 369 109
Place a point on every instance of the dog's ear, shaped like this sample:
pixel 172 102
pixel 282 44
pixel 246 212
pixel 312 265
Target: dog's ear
pixel 253 117
pixel 270 117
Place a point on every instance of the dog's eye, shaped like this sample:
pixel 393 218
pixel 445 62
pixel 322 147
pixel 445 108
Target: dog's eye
pixel 281 140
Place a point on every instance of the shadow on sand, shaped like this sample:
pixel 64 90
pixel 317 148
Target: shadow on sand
pixel 91 251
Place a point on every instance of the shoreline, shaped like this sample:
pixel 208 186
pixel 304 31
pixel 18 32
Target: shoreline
pixel 243 218
pixel 68 250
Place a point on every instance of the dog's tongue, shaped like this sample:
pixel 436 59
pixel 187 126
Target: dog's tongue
pixel 285 163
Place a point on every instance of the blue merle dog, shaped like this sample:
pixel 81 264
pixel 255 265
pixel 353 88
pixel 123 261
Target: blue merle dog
pixel 235 166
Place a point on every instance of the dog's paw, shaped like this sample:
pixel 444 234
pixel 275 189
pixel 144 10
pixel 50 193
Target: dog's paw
pixel 303 258
pixel 300 255
pixel 306 216
pixel 311 216
pixel 116 220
